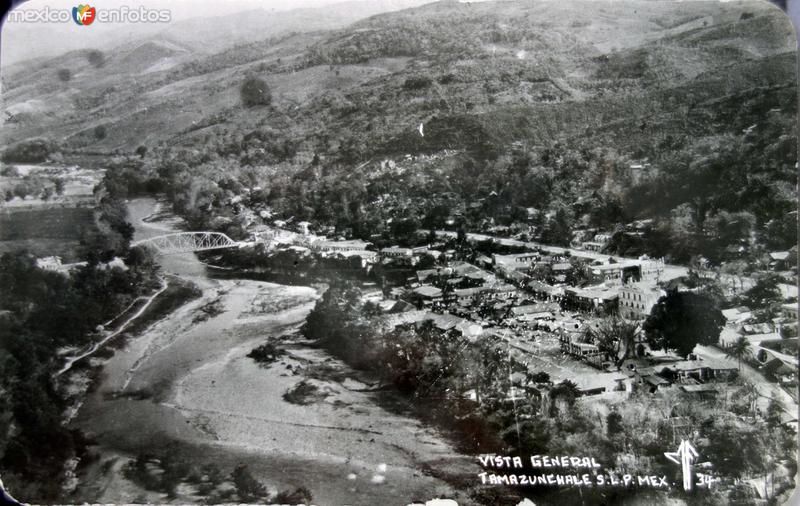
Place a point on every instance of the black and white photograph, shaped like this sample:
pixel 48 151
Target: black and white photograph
pixel 399 252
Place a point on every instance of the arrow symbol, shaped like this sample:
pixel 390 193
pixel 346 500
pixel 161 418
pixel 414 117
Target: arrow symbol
pixel 685 455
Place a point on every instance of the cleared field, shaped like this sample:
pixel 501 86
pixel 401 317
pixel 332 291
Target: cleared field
pixel 44 232
pixel 60 223
pixel 67 250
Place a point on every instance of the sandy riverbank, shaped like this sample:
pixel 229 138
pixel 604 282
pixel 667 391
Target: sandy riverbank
pixel 191 383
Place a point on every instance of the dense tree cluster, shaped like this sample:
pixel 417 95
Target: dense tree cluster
pixel 96 58
pixel 32 151
pixel 681 320
pixel 64 75
pixel 31 185
pixel 255 91
pixel 165 471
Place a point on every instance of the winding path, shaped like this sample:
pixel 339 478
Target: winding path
pixel 71 361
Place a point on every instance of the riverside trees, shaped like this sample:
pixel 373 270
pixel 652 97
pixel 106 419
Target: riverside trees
pixel 41 311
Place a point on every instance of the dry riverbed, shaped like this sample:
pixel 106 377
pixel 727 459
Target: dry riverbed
pixel 187 385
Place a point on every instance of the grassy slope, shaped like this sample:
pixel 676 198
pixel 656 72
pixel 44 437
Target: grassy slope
pixel 502 71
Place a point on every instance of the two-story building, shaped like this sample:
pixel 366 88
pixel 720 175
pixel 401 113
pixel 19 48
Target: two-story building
pixel 617 271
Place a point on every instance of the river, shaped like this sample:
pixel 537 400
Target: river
pixel 184 387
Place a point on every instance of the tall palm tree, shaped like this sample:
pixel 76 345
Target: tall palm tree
pixel 750 391
pixel 738 350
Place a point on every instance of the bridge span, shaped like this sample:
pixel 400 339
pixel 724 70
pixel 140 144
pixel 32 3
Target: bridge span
pixel 187 242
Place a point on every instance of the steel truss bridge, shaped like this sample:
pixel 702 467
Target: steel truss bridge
pixel 187 242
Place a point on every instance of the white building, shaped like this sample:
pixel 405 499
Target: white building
pixel 652 269
pixel 339 246
pixel 397 252
pixel 519 261
pixel 49 263
pixel 636 300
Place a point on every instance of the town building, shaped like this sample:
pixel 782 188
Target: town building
pixel 790 311
pixel 53 263
pixel 599 383
pixel 561 268
pixel 698 370
pixel 427 294
pixel 596 298
pixel 496 292
pixel 426 275
pixel 603 238
pixel 757 328
pixel 397 252
pixel 533 312
pixel 515 277
pixel 340 246
pixel 636 300
pixel 545 292
pixel 520 261
pixel 651 269
pixel 484 261
pixel 618 271
pixel 585 351
pixel 737 315
pixel 728 339
pixel 779 260
pixel 417 318
pixel 648 379
pixel 472 272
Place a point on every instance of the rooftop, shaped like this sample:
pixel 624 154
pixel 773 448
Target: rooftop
pixel 533 308
pixel 396 249
pixel 428 291
pixel 693 365
pixel 705 388
pixel 544 287
pixel 640 286
pixel 595 292
pixel 654 379
pixel 355 243
pixel 424 274
pixel 616 266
